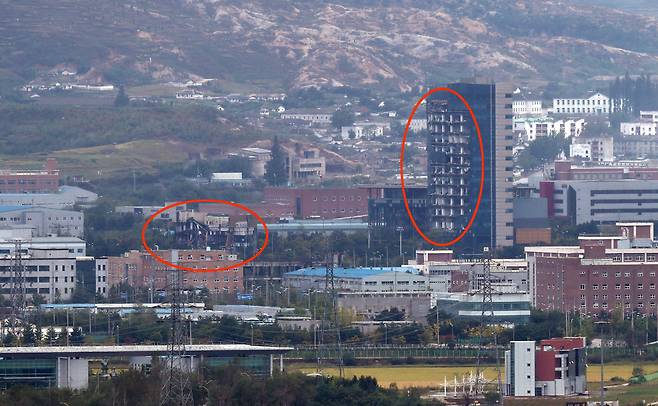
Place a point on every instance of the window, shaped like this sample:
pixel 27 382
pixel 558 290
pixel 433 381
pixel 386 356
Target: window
pixel 582 287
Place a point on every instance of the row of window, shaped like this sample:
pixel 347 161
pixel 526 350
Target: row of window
pixel 627 286
pixel 342 198
pixel 618 297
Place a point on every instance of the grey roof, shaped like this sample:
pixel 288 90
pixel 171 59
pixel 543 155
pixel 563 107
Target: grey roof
pixel 118 350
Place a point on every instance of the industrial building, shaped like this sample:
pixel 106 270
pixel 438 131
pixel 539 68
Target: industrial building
pixel 507 307
pixel 383 279
pixel 68 367
pixel 415 304
pixel 603 194
pixel 65 197
pixel 43 221
pixel 557 367
pixel 455 164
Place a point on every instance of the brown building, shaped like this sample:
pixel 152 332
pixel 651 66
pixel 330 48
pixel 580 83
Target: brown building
pixel 141 270
pixel 45 180
pixel 326 203
pixel 599 275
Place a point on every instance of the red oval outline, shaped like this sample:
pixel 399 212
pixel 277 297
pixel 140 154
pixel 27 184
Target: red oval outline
pixel 184 268
pixel 404 192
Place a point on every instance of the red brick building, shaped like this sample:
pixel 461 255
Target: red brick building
pixel 600 274
pixel 39 181
pixel 326 203
pixel 141 270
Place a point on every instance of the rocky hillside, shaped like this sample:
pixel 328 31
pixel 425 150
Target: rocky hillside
pixel 279 44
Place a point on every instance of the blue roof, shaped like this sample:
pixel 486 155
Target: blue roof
pixel 349 272
pixel 13 208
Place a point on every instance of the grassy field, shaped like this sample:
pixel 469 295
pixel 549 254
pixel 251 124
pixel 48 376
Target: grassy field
pixel 110 160
pixel 433 375
pixel 634 394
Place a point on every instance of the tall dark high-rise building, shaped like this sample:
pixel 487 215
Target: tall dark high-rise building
pixel 454 163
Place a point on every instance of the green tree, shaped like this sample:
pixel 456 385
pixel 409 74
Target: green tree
pixel 29 338
pixel 9 340
pixel 275 168
pixel 77 338
pixel 342 118
pixel 51 336
pixel 121 100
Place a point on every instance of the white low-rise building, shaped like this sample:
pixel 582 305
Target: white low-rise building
pixel 532 128
pixel 593 149
pixel 594 104
pixel 641 128
pixel 527 107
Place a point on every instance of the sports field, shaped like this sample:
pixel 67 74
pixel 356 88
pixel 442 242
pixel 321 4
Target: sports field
pixel 435 375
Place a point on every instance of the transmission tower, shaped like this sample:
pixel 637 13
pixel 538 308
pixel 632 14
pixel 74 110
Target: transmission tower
pixel 176 388
pixel 331 288
pixel 17 290
pixel 486 317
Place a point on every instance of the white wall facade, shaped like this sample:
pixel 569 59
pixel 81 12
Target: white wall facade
pixel 527 107
pixel 640 128
pixel 520 369
pixel 597 104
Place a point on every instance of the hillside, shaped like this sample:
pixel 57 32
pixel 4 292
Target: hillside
pixel 276 44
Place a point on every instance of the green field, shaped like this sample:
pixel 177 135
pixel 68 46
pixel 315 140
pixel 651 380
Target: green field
pixel 434 375
pixel 110 160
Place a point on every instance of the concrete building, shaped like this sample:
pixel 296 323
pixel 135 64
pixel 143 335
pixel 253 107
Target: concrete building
pixel 416 125
pixel 507 307
pixel 306 165
pixel 387 213
pixel 367 129
pixel 634 147
pixel 593 104
pixel 557 367
pixel 527 107
pixel 65 197
pixel 531 223
pixel 415 305
pixel 638 128
pixel 258 157
pixel 313 116
pixel 535 127
pixel 520 369
pixel 593 149
pixel 454 165
pixel 68 367
pixel 602 194
pixel 234 179
pixel 31 181
pixel 600 274
pixel 70 246
pixel 49 272
pixel 43 221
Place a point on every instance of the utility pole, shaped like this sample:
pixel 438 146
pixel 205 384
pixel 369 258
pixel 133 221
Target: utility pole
pixel 438 329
